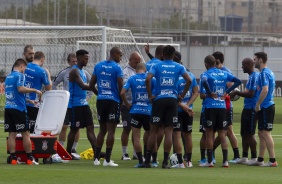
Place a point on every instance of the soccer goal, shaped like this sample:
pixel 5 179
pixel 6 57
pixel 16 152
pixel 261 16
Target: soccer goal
pixel 58 41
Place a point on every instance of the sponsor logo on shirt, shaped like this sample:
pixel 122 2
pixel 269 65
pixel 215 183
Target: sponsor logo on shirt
pixel 141 96
pixel 167 72
pixel 107 74
pixel 167 81
pixel 166 92
pixel 105 84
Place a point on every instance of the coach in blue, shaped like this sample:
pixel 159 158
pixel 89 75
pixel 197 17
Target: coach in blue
pixel 109 78
pixel 16 119
pixel 81 115
pixel 165 103
pixel 36 77
pixel 265 109
pixel 214 81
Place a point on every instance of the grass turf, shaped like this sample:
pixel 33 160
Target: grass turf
pixel 83 171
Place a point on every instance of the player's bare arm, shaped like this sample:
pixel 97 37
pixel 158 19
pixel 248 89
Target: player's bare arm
pixel 75 77
pixel 92 84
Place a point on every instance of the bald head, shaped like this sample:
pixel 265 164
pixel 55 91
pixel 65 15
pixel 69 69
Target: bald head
pixel 248 65
pixel 134 59
pixel 115 54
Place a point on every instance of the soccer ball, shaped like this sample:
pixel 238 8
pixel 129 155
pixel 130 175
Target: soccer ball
pixel 236 97
pixel 173 159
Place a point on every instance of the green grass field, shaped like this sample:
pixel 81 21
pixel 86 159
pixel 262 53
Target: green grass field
pixel 83 171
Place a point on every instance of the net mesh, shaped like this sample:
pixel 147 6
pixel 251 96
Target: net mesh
pixel 56 43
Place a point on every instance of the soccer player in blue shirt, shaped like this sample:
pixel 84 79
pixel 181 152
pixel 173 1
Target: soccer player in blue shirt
pixel 36 76
pixel 219 58
pixel 265 108
pixel 214 81
pixel 81 115
pixel 185 117
pixel 109 78
pixel 140 108
pixel 15 118
pixel 165 104
pixel 248 116
pixel 155 60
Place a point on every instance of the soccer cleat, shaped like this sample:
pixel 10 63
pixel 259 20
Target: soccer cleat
pixel 225 164
pixel 189 164
pixel 111 163
pixel 204 160
pixel 255 163
pixel 213 160
pixel 269 164
pixel 234 161
pixel 125 157
pixel 31 162
pixel 165 166
pixel 96 162
pixel 181 166
pixel 243 160
pixel 206 164
pixel 14 162
pixel 145 165
pixel 154 164
pixel 75 155
pixel 134 157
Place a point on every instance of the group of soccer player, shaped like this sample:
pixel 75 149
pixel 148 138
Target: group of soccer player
pixel 157 95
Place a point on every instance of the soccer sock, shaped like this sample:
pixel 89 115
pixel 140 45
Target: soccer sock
pixel 148 156
pixel 145 150
pixel 74 145
pixel 166 155
pixel 62 142
pixel 203 154
pixel 260 159
pixel 245 154
pixel 97 153
pixel 29 156
pixel 179 158
pixel 124 150
pixel 189 156
pixel 13 155
pixel 254 154
pixel 108 154
pixel 154 155
pixel 236 153
pixel 209 153
pixel 225 154
pixel 140 158
pixel 272 160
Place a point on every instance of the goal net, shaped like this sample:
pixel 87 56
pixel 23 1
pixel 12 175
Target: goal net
pixel 57 42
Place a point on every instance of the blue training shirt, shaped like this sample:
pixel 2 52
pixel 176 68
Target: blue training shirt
pixel 181 84
pixel 35 77
pixel 77 94
pixel 107 73
pixel 140 102
pixel 152 62
pixel 167 74
pixel 267 78
pixel 251 85
pixel 216 79
pixel 15 99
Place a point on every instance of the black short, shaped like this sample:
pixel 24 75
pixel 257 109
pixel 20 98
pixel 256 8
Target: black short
pixel 215 118
pixel 266 118
pixel 81 116
pixel 15 121
pixel 125 117
pixel 165 112
pixel 139 120
pixel 185 122
pixel 32 113
pixel 229 116
pixel 67 120
pixel 248 122
pixel 108 111
pixel 202 122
